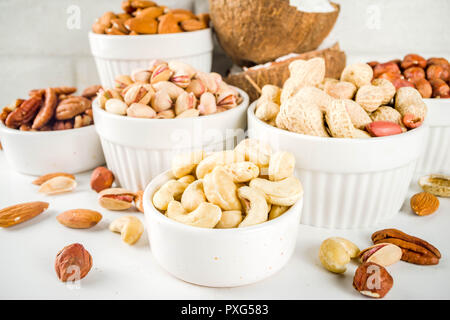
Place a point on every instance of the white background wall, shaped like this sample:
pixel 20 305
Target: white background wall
pixel 37 49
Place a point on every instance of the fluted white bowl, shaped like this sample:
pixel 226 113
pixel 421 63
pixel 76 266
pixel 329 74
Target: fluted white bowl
pixel 116 55
pixel 348 183
pixel 137 150
pixel 219 257
pixel 39 153
pixel 436 152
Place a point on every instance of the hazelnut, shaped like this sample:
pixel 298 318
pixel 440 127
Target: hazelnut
pixel 73 263
pixel 399 83
pixel 440 89
pixel 413 60
pixel 101 179
pixel 385 67
pixel 372 280
pixel 424 87
pixel 391 76
pixel 437 72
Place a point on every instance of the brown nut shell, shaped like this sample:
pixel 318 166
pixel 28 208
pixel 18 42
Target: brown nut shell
pixel 101 178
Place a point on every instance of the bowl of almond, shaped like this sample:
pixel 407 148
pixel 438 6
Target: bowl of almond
pixel 51 131
pixel 130 40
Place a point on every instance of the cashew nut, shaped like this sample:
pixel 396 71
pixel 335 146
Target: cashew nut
pixel 277 211
pixel 207 215
pixel 255 206
pixel 254 151
pixel 281 165
pixel 242 171
pixel 129 227
pixel 193 196
pixel 221 190
pixel 229 219
pixel 183 164
pixel 171 190
pixel 282 193
pixel 335 253
pixel 216 159
pixel 187 179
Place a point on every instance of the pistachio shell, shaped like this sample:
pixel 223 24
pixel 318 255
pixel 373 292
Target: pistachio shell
pixel 57 185
pixel 116 199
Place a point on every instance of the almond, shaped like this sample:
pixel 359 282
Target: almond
pixel 49 176
pixel 168 23
pixel 142 25
pixel 79 218
pixel 424 203
pixel 19 213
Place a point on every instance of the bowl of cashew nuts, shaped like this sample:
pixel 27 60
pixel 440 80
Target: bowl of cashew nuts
pixel 356 141
pixel 226 218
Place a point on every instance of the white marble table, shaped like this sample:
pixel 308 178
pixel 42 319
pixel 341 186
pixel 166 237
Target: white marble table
pixel 27 254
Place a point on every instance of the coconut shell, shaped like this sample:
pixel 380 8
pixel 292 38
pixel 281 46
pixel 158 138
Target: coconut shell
pixel 278 72
pixel 259 31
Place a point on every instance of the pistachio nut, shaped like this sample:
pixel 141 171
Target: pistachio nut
pixel 383 254
pixel 138 93
pixel 116 199
pixel 59 184
pixel 161 73
pixel 116 106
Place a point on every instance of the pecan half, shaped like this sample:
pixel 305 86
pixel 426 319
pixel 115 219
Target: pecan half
pixel 414 250
pixel 47 110
pixel 23 114
pixel 71 107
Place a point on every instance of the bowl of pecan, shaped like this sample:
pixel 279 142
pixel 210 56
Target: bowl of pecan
pixel 52 131
pixel 144 31
pixel 431 77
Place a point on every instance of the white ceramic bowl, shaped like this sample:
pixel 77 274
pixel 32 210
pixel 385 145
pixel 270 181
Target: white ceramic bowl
pixel 115 55
pixel 436 152
pixel 137 150
pixel 348 183
pixel 39 153
pixel 219 257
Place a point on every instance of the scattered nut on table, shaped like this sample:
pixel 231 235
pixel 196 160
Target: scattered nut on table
pixel 116 199
pixel 424 203
pixel 22 212
pixel 335 253
pixel 101 178
pixel 229 189
pixel 129 227
pixel 58 184
pixel 79 218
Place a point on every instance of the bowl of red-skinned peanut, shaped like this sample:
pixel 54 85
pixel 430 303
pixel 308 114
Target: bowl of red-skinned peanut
pixel 356 140
pixel 165 109
pixel 51 131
